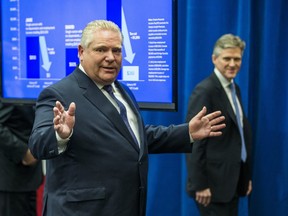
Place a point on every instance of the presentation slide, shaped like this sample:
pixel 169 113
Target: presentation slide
pixel 40 40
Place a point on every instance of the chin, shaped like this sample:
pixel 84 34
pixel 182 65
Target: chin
pixel 109 81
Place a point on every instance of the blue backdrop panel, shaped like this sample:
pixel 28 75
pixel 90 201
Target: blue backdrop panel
pixel 263 77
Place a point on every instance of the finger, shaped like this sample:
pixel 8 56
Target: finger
pixel 214 134
pixel 204 200
pixel 218 127
pixel 202 113
pixel 71 109
pixel 55 111
pixel 56 119
pixel 213 115
pixel 59 106
pixel 207 202
pixel 200 200
pixel 217 120
pixel 248 192
pixel 199 197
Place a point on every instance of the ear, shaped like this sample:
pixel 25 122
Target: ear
pixel 80 51
pixel 214 58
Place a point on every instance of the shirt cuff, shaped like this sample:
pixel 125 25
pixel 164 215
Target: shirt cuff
pixel 62 143
pixel 191 138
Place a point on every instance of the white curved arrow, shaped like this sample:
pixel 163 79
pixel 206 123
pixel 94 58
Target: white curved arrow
pixel 127 44
pixel 44 53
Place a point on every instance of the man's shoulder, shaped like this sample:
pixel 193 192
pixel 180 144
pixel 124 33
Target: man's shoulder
pixel 67 81
pixel 208 83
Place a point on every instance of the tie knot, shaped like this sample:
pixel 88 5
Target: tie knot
pixel 232 87
pixel 108 88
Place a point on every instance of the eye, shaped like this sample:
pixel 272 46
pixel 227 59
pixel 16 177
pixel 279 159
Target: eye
pixel 226 59
pixel 117 50
pixel 100 49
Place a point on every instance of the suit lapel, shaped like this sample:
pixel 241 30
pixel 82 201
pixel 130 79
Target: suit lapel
pixel 99 100
pixel 224 98
pixel 133 104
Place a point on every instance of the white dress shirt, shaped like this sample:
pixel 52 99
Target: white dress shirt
pixel 225 84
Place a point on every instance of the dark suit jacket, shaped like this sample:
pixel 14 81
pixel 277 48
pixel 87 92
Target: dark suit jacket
pixel 15 127
pixel 215 163
pixel 102 171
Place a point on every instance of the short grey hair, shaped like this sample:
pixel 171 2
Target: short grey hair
pixel 228 41
pixel 96 25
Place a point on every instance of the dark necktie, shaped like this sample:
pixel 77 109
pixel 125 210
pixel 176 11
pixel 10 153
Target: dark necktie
pixel 237 112
pixel 123 112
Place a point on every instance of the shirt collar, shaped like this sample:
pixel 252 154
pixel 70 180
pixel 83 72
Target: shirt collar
pixel 224 82
pixel 98 85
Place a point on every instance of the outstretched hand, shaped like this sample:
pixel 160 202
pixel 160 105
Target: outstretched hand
pixel 202 126
pixel 64 120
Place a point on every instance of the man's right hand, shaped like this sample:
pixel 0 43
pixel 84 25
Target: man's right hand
pixel 203 197
pixel 64 120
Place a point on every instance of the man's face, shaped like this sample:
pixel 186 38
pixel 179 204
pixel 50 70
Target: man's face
pixel 228 62
pixel 102 59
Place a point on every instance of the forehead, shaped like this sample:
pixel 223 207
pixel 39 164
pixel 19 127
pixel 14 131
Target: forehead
pixel 107 37
pixel 231 52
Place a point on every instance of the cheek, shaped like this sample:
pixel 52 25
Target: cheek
pixel 119 61
pixel 221 65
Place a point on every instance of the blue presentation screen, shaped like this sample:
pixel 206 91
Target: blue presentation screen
pixel 40 40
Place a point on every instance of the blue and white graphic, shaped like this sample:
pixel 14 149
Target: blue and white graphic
pixel 40 40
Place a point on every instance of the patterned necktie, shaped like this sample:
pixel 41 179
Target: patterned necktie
pixel 237 112
pixel 123 112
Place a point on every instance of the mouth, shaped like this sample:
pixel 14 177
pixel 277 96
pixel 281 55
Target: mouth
pixel 231 70
pixel 109 69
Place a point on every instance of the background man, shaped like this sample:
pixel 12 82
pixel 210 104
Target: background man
pixel 219 167
pixel 20 172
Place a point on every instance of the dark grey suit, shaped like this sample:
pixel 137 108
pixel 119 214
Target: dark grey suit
pixel 15 127
pixel 215 163
pixel 103 171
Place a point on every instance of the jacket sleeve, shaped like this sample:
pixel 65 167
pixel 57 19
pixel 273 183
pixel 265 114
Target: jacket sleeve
pixel 43 142
pixel 11 145
pixel 171 139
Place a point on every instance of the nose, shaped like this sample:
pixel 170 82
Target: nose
pixel 232 62
pixel 109 56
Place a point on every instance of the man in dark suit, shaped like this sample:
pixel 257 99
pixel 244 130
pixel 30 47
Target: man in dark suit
pixel 20 173
pixel 217 175
pixel 96 164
